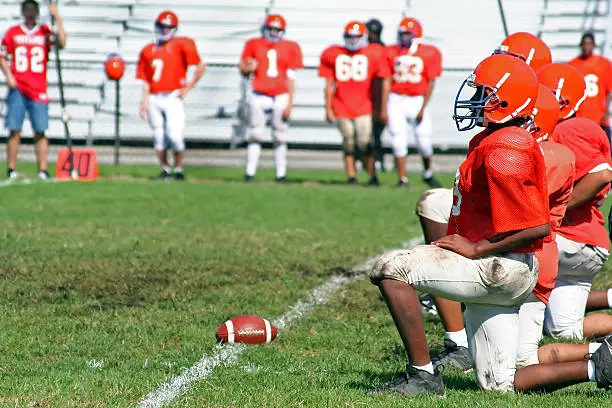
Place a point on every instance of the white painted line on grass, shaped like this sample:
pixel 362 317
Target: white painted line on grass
pixel 25 182
pixel 227 354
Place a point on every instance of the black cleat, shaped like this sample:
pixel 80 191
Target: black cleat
pixel 428 305
pixel 603 364
pixel 44 175
pixel 374 181
pixel 414 382
pixel 351 181
pixel 603 338
pixel 248 179
pixel 432 182
pixel 401 183
pixel 179 175
pixel 164 175
pixel 282 180
pixel 454 356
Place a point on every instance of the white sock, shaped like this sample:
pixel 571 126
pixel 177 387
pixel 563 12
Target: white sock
pixel 610 298
pixel 591 370
pixel 427 367
pixel 253 153
pixel 167 169
pixel 427 173
pixel 280 157
pixel 459 337
pixel 593 347
pixel 404 179
pixel 178 169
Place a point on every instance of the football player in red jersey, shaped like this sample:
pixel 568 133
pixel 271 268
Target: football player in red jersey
pixel 348 71
pixel 162 67
pixel 28 46
pixel 415 67
pixel 498 219
pixel 272 62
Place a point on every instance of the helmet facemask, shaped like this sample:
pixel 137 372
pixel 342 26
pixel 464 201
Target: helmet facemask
pixel 355 42
pixel 405 38
pixel 164 32
pixel 471 103
pixel 273 34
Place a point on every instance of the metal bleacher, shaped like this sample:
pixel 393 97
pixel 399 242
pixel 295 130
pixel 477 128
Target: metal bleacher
pixel 465 32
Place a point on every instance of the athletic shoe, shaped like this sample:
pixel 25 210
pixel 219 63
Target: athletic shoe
pixel 432 182
pixel 454 356
pixel 401 183
pixel 164 175
pixel 281 179
pixel 248 179
pixel 351 181
pixel 427 305
pixel 374 181
pixel 603 364
pixel 179 175
pixel 414 382
pixel 43 175
pixel 603 338
pixel 11 174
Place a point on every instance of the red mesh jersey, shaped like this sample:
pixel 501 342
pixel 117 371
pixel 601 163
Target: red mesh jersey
pixel 413 68
pixel 353 73
pixel 591 147
pixel 598 77
pixel 501 187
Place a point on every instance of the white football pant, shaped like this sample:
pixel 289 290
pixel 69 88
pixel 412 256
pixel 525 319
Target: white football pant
pixel 402 111
pixel 167 121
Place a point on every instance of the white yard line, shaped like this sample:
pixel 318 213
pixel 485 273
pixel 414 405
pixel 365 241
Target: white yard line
pixel 224 355
pixel 26 182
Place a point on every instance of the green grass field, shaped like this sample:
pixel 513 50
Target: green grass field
pixel 111 288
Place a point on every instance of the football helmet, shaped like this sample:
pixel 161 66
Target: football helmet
pixel 545 114
pixel 409 29
pixel 114 67
pixel 355 36
pixel 504 87
pixel 274 28
pixel 567 83
pixel 528 47
pixel 166 25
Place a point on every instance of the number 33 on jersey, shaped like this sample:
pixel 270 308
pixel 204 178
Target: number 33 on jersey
pixel 273 62
pixel 413 68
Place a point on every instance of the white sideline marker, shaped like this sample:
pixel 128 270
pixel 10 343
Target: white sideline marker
pixel 227 354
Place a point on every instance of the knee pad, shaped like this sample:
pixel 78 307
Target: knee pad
pixel 400 146
pixel 391 265
pixel 178 142
pixel 159 136
pixel 435 205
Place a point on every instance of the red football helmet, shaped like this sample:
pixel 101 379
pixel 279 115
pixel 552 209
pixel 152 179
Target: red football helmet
pixel 114 67
pixel 166 25
pixel 355 36
pixel 409 29
pixel 505 88
pixel 528 47
pixel 568 85
pixel 545 114
pixel 274 28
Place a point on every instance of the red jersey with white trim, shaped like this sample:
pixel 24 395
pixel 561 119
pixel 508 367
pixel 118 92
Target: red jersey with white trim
pixel 590 145
pixel 29 51
pixel 164 67
pixel 560 172
pixel 413 68
pixel 353 72
pixel 273 62
pixel 501 187
pixel 597 73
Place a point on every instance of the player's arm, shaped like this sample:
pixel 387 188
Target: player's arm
pixel 386 88
pixel 10 79
pixel 248 62
pixel 330 87
pixel 291 92
pixel 606 115
pixel 588 186
pixel 144 100
pixel 61 33
pixel 430 87
pixel 200 70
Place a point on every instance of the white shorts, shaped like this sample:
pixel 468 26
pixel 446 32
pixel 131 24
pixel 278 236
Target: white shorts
pixel 578 265
pixel 264 108
pixel 167 121
pixel 436 204
pixel 492 288
pixel 402 111
pixel 359 128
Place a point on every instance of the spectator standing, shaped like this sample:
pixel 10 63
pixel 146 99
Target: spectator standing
pixel 375 28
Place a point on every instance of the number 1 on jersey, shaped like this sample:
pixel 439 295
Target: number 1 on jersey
pixel 272 64
pixel 158 67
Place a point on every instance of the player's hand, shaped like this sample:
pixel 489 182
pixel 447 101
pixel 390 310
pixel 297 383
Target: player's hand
pixel 383 116
pixel 250 65
pixel 184 90
pixel 419 116
pixel 11 82
pixel 143 110
pixel 53 10
pixel 329 116
pixel 287 112
pixel 459 245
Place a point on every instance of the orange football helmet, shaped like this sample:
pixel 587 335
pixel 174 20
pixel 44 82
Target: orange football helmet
pixel 114 67
pixel 409 29
pixel 505 88
pixel 274 28
pixel 355 35
pixel 545 114
pixel 528 47
pixel 567 83
pixel 166 25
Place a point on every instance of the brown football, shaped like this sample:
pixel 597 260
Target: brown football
pixel 246 329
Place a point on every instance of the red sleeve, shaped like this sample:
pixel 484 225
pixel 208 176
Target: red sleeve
pixel 248 51
pixel 6 48
pixel 297 60
pixel 434 64
pixel 190 50
pixel 327 65
pixel 517 189
pixel 142 70
pixel 608 76
pixel 588 142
